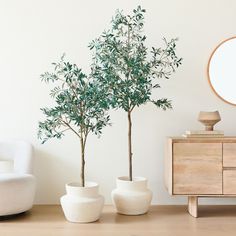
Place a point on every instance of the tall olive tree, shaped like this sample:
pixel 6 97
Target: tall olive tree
pixel 128 68
pixel 81 105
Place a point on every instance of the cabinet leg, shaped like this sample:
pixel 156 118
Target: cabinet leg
pixel 192 206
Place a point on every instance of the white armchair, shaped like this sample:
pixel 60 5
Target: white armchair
pixel 17 189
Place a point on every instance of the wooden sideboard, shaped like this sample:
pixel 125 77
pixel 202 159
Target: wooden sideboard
pixel 200 167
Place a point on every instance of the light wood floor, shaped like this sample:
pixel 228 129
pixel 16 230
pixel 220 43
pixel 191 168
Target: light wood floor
pixel 160 221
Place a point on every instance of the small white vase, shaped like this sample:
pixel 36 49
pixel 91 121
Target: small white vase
pixel 131 197
pixel 82 204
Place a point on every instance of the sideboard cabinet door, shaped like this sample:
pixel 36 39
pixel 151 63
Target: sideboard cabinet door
pixel 229 154
pixel 197 168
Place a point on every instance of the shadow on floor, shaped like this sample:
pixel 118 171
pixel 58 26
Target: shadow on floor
pixel 18 217
pixel 217 211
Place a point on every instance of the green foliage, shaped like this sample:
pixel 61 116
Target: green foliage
pixel 124 64
pixel 81 104
pixel 128 69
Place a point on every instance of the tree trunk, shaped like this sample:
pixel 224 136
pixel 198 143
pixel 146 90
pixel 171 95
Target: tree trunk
pixel 130 146
pixel 82 182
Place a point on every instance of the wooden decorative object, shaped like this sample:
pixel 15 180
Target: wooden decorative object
pixel 200 167
pixel 209 119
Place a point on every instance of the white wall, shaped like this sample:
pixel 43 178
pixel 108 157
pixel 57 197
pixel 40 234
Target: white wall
pixel 35 33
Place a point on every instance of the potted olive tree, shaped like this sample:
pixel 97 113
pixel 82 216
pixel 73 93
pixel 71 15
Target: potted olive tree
pixel 128 69
pixel 81 105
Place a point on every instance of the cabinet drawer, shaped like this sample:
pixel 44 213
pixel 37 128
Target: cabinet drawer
pixel 229 182
pixel 229 154
pixel 197 168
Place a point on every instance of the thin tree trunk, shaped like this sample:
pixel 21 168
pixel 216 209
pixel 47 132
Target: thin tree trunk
pixel 82 182
pixel 130 146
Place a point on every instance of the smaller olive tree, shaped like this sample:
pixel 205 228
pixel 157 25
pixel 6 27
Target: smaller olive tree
pixel 128 69
pixel 81 105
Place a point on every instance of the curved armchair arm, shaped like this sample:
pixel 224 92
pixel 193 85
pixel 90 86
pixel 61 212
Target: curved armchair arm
pixel 23 158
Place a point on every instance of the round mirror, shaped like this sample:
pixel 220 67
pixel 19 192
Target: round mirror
pixel 222 70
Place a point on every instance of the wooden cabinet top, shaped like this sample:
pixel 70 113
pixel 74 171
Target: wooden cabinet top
pixel 225 139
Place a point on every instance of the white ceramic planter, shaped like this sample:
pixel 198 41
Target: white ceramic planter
pixel 131 197
pixel 82 204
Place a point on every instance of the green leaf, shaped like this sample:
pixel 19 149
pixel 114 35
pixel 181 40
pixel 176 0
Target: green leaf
pixel 81 103
pixel 126 67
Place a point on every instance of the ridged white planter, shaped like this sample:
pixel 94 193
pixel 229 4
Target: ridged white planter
pixel 82 204
pixel 131 197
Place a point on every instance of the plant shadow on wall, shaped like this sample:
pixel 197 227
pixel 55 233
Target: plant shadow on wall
pixel 81 107
pixel 123 64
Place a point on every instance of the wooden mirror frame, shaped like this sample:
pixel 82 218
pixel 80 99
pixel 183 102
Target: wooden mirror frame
pixel 208 73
